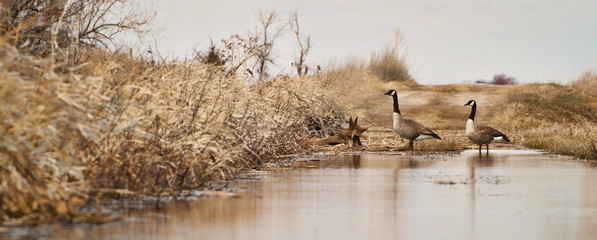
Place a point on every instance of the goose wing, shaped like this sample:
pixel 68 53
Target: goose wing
pixel 420 129
pixel 489 131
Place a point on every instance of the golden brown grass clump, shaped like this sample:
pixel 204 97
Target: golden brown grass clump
pixel 117 125
pixel 560 119
pixel 39 144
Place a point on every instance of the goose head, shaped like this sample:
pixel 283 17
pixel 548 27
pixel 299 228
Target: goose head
pixel 470 103
pixel 392 92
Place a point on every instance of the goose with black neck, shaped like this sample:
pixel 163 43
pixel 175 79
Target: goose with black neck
pixel 406 128
pixel 482 134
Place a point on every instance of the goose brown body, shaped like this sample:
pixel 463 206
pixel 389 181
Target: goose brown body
pixel 412 130
pixel 482 134
pixel 409 129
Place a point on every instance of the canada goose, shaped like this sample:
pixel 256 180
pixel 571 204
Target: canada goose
pixel 407 128
pixel 481 134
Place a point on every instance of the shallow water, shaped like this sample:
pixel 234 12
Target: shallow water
pixel 506 195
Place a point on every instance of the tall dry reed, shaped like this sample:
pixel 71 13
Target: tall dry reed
pixel 116 124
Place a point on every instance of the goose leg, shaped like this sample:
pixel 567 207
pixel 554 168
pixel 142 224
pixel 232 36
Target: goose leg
pixel 410 144
pixel 487 148
pixel 480 146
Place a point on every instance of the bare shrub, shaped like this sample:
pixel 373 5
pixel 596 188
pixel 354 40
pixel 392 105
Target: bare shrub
pixel 252 55
pixel 35 26
pixel 389 63
pixel 213 56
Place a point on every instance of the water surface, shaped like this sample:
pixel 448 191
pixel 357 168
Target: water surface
pixel 504 195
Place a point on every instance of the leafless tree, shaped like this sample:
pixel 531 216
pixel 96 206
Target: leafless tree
pixel 304 46
pixel 33 25
pixel 266 34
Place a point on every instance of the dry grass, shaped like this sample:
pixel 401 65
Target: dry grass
pixel 466 88
pixel 39 144
pixel 389 63
pixel 118 125
pixel 559 119
pixel 385 139
pixel 355 88
pixel 361 93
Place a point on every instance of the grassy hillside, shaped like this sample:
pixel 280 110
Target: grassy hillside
pixel 558 118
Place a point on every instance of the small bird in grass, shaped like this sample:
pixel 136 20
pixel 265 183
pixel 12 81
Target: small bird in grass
pixel 481 134
pixel 406 128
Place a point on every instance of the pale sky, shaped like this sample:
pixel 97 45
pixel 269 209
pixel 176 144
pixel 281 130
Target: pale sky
pixel 446 41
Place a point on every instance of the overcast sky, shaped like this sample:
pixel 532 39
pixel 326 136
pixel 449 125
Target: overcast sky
pixel 446 41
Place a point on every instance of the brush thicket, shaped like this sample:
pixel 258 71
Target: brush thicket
pixel 116 124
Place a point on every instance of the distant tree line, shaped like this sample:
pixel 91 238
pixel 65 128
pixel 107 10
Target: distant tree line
pixel 499 79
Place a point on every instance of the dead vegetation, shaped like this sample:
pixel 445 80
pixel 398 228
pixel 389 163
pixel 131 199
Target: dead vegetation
pixel 117 124
pixel 558 118
pixel 389 63
pixel 81 123
pixel 110 124
pixel 39 27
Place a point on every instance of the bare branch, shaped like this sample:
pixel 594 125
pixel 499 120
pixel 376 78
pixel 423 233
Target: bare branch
pixel 266 41
pixel 304 45
pixel 30 24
